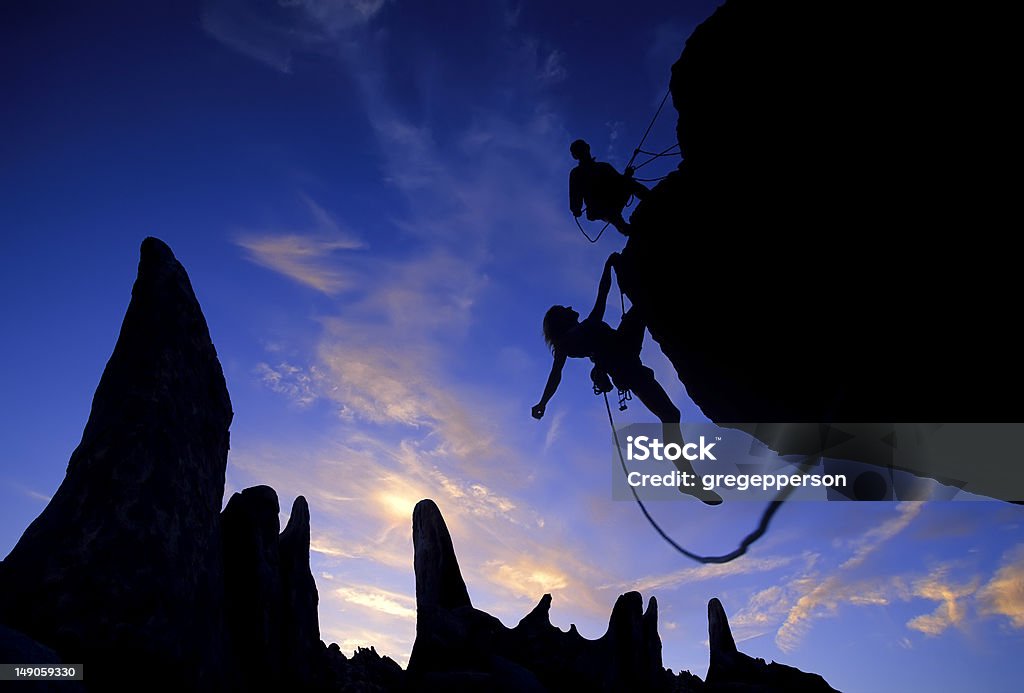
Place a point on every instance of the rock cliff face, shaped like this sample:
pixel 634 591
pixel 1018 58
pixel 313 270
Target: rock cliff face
pixel 794 268
pixel 830 248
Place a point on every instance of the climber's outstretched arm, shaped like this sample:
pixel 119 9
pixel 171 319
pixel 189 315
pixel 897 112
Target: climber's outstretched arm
pixel 603 288
pixel 554 378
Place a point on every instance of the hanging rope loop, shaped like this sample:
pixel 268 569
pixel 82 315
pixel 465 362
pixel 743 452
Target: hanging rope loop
pixel 762 527
pixel 596 238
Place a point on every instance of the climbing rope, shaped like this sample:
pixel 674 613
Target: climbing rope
pixel 649 126
pixel 644 151
pixel 596 238
pixel 639 150
pixel 654 156
pixel 766 516
pixel 624 395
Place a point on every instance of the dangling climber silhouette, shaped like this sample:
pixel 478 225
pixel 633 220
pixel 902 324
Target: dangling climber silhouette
pixel 604 190
pixel 615 352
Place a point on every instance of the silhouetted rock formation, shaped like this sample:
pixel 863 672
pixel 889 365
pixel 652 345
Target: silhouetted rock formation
pixel 455 643
pixel 122 569
pixel 439 581
pixel 132 568
pixel 365 672
pixel 18 648
pixel 252 605
pixel 732 670
pixel 270 598
pixel 300 620
pixel 791 268
pixel 459 647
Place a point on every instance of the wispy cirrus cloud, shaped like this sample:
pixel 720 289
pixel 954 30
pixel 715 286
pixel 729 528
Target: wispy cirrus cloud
pixel 951 610
pixel 1003 595
pixel 547 64
pixel 711 571
pixel 375 373
pixel 33 494
pixel 824 598
pixel 305 256
pixel 789 609
pixel 526 577
pixel 272 33
pixel 377 599
pixel 294 382
pixel 554 428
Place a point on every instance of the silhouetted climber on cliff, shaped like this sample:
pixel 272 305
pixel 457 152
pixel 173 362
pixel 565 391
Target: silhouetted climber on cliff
pixel 604 190
pixel 615 352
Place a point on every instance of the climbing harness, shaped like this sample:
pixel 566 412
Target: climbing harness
pixel 766 516
pixel 603 385
pixel 624 396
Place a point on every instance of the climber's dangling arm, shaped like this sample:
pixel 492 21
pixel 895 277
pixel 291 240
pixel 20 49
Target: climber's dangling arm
pixel 603 288
pixel 554 378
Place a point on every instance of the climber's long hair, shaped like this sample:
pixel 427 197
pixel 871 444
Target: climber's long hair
pixel 557 321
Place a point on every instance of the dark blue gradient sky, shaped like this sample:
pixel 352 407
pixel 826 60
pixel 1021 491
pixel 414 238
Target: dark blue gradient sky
pixel 370 198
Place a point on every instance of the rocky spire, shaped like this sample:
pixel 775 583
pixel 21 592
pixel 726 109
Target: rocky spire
pixel 723 659
pixel 252 577
pixel 733 670
pixel 634 640
pixel 719 633
pixel 271 598
pixel 301 623
pixel 439 581
pixel 123 566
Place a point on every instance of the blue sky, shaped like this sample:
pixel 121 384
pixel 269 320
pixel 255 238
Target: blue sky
pixel 370 198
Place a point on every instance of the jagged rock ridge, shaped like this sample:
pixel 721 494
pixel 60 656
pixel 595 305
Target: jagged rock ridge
pixel 459 647
pixel 132 565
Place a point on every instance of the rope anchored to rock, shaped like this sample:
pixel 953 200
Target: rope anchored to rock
pixel 630 169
